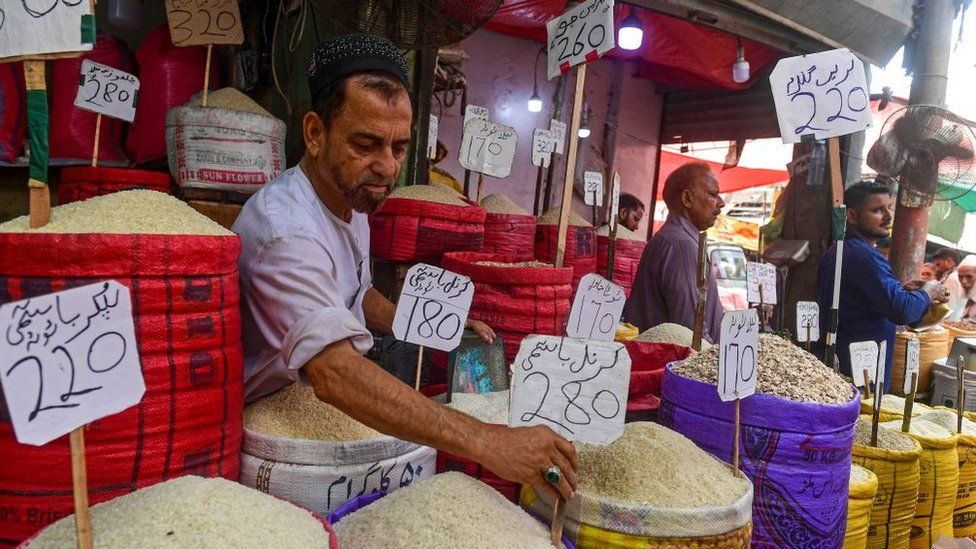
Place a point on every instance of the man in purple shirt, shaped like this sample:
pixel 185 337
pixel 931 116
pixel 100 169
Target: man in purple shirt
pixel 665 287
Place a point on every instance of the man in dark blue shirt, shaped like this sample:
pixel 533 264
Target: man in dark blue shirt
pixel 872 301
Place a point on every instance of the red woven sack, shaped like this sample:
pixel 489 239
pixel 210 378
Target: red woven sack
pixel 168 77
pixel 580 248
pixel 626 258
pixel 647 362
pixel 72 128
pixel 510 234
pixel 185 300
pixel 411 231
pixel 13 111
pixel 84 183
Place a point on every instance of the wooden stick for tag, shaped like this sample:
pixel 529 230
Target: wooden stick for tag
pixel 735 442
pixel 960 391
pixel 40 195
pixel 573 138
pixel 98 131
pixel 206 75
pixel 538 191
pixel 808 337
pixel 558 517
pixel 420 364
pixel 867 383
pixel 906 422
pixel 481 181
pixel 79 478
pixel 876 416
pixel 702 293
pixel 762 309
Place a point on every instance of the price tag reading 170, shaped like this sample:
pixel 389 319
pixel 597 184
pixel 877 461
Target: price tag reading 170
pixel 596 309
pixel 200 22
pixel 433 307
pixel 580 35
pixel 488 148
pixel 107 90
pixel 737 354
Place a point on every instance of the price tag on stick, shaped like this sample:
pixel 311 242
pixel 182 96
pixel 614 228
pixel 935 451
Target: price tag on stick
pixel 204 22
pixel 558 130
pixel 596 309
pixel 807 321
pixel 580 35
pixel 433 307
pixel 488 148
pixel 737 354
pixel 576 387
pixel 864 361
pixel 614 200
pixel 912 353
pixel 472 112
pixel 35 28
pixel 593 189
pixel 543 144
pixel 107 90
pixel 432 137
pixel 761 275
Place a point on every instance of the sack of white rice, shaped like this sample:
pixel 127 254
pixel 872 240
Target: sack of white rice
pixel 306 451
pixel 667 332
pixel 501 204
pixel 193 512
pixel 446 511
pixel 653 487
pixel 892 407
pixel 861 492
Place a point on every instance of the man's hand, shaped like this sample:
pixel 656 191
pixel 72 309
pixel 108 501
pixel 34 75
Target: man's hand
pixel 484 332
pixel 936 291
pixel 913 285
pixel 522 454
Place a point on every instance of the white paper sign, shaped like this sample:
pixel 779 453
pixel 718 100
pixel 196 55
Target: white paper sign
pixel 882 360
pixel 576 387
pixel 558 130
pixel 764 275
pixel 822 95
pixel 593 188
pixel 488 148
pixel 807 321
pixel 581 35
pixel 107 90
pixel 67 359
pixel 432 137
pixel 864 356
pixel 614 199
pixel 912 352
pixel 596 310
pixel 34 27
pixel 472 112
pixel 543 143
pixel 433 307
pixel 737 354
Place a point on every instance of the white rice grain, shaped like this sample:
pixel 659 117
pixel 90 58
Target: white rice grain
pixel 429 193
pixel 487 407
pixel 295 412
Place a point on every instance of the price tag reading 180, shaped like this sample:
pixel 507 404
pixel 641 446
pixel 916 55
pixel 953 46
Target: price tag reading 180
pixel 737 354
pixel 580 35
pixel 199 22
pixel 107 90
pixel 433 307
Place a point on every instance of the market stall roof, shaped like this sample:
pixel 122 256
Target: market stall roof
pixel 676 52
pixel 730 180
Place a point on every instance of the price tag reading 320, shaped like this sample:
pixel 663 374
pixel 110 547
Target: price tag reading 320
pixel 737 355
pixel 67 359
pixel 543 144
pixel 580 35
pixel 107 90
pixel 433 307
pixel 596 309
pixel 200 22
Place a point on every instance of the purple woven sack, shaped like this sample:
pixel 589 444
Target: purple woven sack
pixel 797 454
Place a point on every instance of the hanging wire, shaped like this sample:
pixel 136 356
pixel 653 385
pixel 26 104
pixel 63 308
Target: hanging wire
pixel 274 60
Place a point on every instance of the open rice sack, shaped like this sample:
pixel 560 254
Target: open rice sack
pixel 580 252
pixel 964 513
pixel 627 251
pixel 892 407
pixel 860 496
pixel 509 229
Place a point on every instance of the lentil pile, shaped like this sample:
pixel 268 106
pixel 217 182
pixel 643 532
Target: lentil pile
pixel 501 204
pixel 961 326
pixel 123 212
pixel 668 332
pixel 921 428
pixel 192 511
pixel 887 439
pixel 444 511
pixel 552 218
pixel 622 232
pixel 487 407
pixel 783 370
pixel 231 99
pixel 654 466
pixel 429 193
pixel 295 412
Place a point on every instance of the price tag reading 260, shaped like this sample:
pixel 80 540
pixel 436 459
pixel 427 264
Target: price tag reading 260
pixel 737 355
pixel 580 35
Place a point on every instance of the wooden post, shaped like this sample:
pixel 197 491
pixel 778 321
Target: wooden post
pixel 876 416
pixel 573 138
pixel 98 131
pixel 481 182
pixel 206 75
pixel 808 337
pixel 538 192
pixel 612 247
pixel 702 293
pixel 735 442
pixel 906 422
pixel 867 383
pixel 762 309
pixel 79 478
pixel 960 391
pixel 837 195
pixel 420 364
pixel 40 194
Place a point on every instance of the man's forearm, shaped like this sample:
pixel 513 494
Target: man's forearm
pixel 367 393
pixel 378 311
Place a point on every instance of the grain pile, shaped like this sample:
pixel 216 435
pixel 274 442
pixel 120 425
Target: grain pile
pixel 622 232
pixel 295 412
pixel 501 204
pixel 887 439
pixel 445 511
pixel 231 99
pixel 962 326
pixel 654 466
pixel 859 474
pixel 552 218
pixel 192 512
pixel 513 264
pixel 668 332
pixel 487 407
pixel 429 193
pixel 948 419
pixel 921 428
pixel 123 212
pixel 896 404
pixel 783 370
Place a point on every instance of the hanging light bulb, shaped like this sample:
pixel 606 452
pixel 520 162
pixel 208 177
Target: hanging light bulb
pixel 740 70
pixel 584 129
pixel 631 33
pixel 535 102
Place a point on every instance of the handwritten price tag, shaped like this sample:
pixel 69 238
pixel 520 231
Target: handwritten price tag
pixel 823 95
pixel 578 388
pixel 488 148
pixel 543 144
pixel 107 90
pixel 737 354
pixel 433 307
pixel 33 27
pixel 864 356
pixel 764 275
pixel 199 22
pixel 596 309
pixel 558 130
pixel 432 137
pixel 593 188
pixel 614 199
pixel 807 321
pixel 581 35
pixel 913 353
pixel 68 359
pixel 472 112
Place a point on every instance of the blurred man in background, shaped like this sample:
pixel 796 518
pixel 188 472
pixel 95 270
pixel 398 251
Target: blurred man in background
pixel 631 211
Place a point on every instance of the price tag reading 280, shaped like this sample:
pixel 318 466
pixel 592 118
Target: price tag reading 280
pixel 582 34
pixel 433 307
pixel 107 90
pixel 737 355
pixel 200 22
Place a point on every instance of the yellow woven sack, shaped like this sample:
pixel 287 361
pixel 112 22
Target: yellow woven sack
pixel 964 513
pixel 887 414
pixel 894 503
pixel 938 483
pixel 860 496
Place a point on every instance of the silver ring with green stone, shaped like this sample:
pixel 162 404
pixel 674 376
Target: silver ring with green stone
pixel 553 474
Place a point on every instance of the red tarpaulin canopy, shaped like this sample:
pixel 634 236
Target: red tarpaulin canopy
pixel 675 52
pixel 730 180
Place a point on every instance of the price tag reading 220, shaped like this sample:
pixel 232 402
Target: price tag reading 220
pixel 433 307
pixel 737 355
pixel 199 22
pixel 580 35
